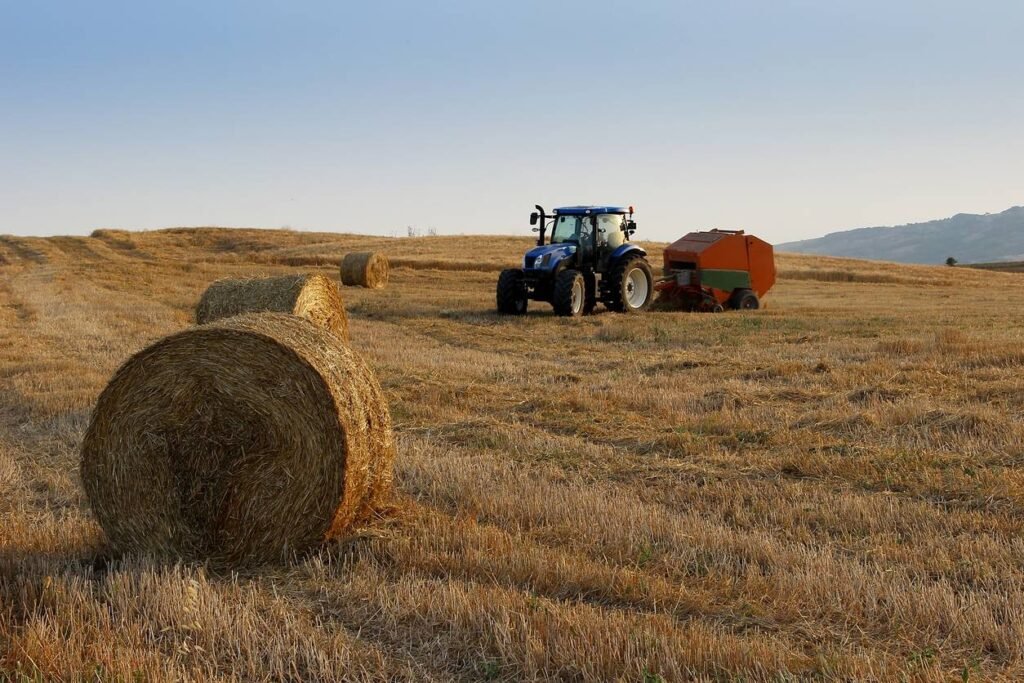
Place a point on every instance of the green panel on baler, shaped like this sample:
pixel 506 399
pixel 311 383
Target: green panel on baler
pixel 726 280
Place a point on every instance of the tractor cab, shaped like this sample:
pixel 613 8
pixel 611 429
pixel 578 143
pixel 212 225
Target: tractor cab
pixel 580 251
pixel 596 228
pixel 587 235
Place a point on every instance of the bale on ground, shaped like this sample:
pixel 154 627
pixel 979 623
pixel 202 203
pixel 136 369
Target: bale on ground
pixel 314 297
pixel 243 441
pixel 365 269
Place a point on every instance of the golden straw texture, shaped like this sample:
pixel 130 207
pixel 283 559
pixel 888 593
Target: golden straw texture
pixel 315 297
pixel 365 269
pixel 242 441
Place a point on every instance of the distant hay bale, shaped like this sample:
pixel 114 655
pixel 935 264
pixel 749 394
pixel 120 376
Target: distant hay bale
pixel 240 442
pixel 110 233
pixel 314 297
pixel 365 269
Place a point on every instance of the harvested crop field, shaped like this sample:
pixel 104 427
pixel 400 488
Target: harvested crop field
pixel 831 488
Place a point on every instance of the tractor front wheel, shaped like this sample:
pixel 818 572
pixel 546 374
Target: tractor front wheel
pixel 511 293
pixel 631 286
pixel 569 293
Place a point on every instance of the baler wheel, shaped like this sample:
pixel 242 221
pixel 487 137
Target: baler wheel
pixel 744 300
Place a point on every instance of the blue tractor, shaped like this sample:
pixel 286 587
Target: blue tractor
pixel 588 259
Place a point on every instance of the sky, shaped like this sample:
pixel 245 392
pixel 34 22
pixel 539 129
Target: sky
pixel 787 118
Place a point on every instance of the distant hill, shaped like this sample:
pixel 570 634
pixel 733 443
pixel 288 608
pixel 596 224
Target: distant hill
pixel 1001 266
pixel 968 238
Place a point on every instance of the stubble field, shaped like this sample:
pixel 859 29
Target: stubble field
pixel 831 488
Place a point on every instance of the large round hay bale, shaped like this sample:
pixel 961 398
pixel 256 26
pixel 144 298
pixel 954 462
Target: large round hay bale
pixel 314 297
pixel 242 441
pixel 365 269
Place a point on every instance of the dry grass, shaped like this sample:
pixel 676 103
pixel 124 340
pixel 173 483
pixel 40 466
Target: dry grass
pixel 829 488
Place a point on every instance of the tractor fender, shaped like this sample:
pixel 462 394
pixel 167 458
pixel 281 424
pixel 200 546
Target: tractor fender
pixel 627 250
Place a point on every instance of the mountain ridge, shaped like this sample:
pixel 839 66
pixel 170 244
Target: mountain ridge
pixel 968 238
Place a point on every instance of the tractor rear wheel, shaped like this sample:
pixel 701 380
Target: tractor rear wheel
pixel 511 293
pixel 631 285
pixel 569 293
pixel 744 300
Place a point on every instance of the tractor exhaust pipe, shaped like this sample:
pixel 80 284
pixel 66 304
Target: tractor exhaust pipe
pixel 542 217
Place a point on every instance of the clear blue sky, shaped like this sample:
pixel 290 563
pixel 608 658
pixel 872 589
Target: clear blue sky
pixel 789 118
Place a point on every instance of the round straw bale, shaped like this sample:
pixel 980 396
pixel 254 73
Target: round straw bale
pixel 366 269
pixel 314 297
pixel 241 442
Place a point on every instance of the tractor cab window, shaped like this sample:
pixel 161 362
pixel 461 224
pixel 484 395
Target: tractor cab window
pixel 609 230
pixel 569 228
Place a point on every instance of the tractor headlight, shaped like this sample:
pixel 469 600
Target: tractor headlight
pixel 542 261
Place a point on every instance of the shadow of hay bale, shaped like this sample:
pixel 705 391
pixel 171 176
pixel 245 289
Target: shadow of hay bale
pixel 243 441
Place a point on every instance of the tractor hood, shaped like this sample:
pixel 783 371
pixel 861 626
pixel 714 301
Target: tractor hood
pixel 548 256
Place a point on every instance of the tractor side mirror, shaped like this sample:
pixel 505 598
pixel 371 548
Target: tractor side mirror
pixel 630 226
pixel 533 218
